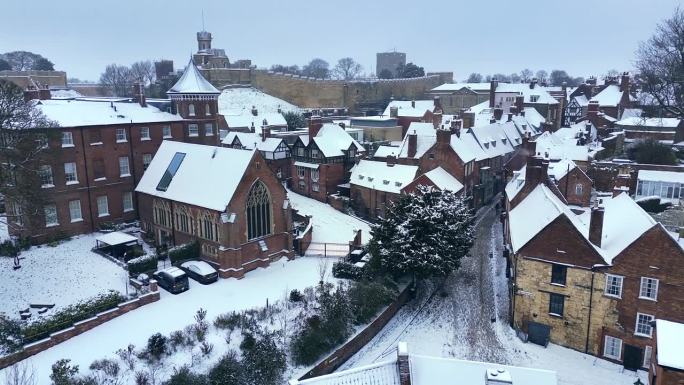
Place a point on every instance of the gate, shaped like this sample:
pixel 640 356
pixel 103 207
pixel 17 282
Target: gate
pixel 538 333
pixel 337 250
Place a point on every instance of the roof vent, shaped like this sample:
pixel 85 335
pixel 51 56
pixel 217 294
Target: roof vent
pixel 385 181
pixel 498 377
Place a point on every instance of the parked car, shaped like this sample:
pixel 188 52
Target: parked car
pixel 172 279
pixel 200 271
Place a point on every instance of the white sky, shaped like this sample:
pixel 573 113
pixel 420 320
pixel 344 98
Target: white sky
pixel 582 37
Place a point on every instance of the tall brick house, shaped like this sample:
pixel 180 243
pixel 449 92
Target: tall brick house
pixel 227 199
pixel 102 150
pixel 323 159
pixel 274 150
pixel 592 280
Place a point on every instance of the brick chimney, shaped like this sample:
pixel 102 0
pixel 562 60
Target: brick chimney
pixel 498 113
pixel 255 112
pixel 624 82
pixel 412 144
pixel 315 124
pixel 593 108
pixel 394 111
pixel 596 225
pixel 468 119
pixel 437 103
pixel 413 104
pixel 533 83
pixel 520 104
pixel 391 160
pixel 443 136
pixel 533 171
pixel 265 133
pixel 492 92
pixel 510 117
pixel 437 119
pixel 139 94
pixel 513 110
pixel 403 364
pixel 456 125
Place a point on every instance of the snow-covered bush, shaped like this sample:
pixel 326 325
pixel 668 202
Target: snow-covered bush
pixel 263 361
pixel 106 371
pixel 347 270
pixel 156 346
pixel 184 252
pixel 180 339
pixel 367 298
pixel 184 376
pixel 228 321
pixel 142 264
pixel 296 295
pixel 10 335
pixel 227 371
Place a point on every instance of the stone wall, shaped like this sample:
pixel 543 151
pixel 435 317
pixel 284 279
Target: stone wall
pixel 77 328
pixel 45 78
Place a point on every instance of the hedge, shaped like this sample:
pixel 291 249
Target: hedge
pixel 142 264
pixel 347 271
pixel 69 315
pixel 184 252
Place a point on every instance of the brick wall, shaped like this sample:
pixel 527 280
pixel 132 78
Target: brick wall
pixel 567 185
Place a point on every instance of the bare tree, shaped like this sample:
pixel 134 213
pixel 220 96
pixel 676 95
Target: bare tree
pixel 323 264
pixel 347 69
pixel 317 68
pixel 24 137
pixel 118 79
pixel 660 60
pixel 612 73
pixel 143 72
pixel 20 374
pixel 526 75
pixel 542 76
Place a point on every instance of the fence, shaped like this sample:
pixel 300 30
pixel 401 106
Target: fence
pixel 335 250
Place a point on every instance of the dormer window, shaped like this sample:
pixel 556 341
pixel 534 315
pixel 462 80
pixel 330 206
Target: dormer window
pixel 370 179
pixel 398 184
pixel 385 181
pixel 534 98
pixel 361 177
pixel 314 153
pixel 191 109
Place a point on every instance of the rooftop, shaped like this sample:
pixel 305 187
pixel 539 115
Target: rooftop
pixel 98 112
pixel 670 339
pixel 192 82
pixel 379 176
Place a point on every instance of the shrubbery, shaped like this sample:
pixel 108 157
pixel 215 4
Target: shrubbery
pixel 10 335
pixel 69 315
pixel 142 264
pixel 347 270
pixel 367 298
pixel 184 252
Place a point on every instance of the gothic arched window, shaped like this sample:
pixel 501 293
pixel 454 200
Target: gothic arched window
pixel 191 109
pixel 258 211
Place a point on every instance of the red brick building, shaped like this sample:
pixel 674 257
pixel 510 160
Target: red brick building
pixel 274 150
pixel 103 149
pixel 667 360
pixel 227 199
pixel 323 159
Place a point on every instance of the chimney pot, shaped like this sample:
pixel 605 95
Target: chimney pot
pixel 498 113
pixel 403 364
pixel 596 225
pixel 412 144
pixel 391 160
pixel 394 112
pixel 315 124
pixel 493 84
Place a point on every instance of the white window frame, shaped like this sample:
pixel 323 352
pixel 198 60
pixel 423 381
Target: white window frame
pixel 605 347
pixel 191 109
pixel 46 171
pixel 208 129
pixel 147 159
pixel 52 209
pixel 636 326
pixel 641 289
pixel 145 133
pixel 124 167
pixel 193 130
pixel 127 199
pixel 121 135
pixel 69 136
pixel 166 132
pixel 648 352
pixel 579 189
pixel 75 208
pixel 71 177
pixel 102 201
pixel 315 175
pixel 621 279
pixel 301 172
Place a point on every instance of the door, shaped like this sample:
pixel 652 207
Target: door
pixel 538 333
pixel 633 357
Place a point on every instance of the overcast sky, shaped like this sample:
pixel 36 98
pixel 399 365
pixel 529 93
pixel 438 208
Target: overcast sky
pixel 581 36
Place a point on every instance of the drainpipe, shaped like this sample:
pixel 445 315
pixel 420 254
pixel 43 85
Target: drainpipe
pixel 131 166
pixel 87 181
pixel 591 296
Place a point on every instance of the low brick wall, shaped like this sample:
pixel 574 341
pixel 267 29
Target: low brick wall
pixel 77 328
pixel 351 347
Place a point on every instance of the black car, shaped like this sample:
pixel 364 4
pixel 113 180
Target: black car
pixel 173 280
pixel 200 271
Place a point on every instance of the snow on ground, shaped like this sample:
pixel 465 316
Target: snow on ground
pixel 175 312
pixel 460 326
pixel 60 275
pixel 329 225
pixel 235 101
pixel 4 232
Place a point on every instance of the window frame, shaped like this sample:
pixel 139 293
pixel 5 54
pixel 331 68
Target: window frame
pixel 125 165
pixel 53 208
pixel 648 353
pixel 166 132
pixel 552 304
pixel 71 211
pixel 191 109
pixel 145 133
pixel 71 177
pixel 193 130
pixel 641 288
pixel 121 136
pixel 579 189
pixel 145 161
pixel 554 274
pixel 605 289
pixel 650 328
pixel 124 200
pixel 209 132
pixel 70 142
pixel 619 348
pixel 46 175
pixel 100 214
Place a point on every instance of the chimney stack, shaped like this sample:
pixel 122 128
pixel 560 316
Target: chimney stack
pixel 413 104
pixel 412 144
pixel 456 126
pixel 265 133
pixel 403 364
pixel 437 119
pixel 510 117
pixel 513 110
pixel 624 82
pixel 315 124
pixel 391 160
pixel 437 103
pixel 443 136
pixel 255 112
pixel 493 84
pixel 596 225
pixel 593 108
pixel 498 113
pixel 139 94
pixel 468 119
pixel 394 111
pixel 533 83
pixel 533 172
pixel 520 104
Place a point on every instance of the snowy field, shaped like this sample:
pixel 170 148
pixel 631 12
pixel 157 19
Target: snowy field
pixel 175 312
pixel 329 225
pixel 60 275
pixel 235 101
pixel 460 326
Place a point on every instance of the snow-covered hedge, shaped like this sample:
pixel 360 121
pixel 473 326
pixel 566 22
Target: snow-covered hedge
pixel 142 264
pixel 346 270
pixel 184 252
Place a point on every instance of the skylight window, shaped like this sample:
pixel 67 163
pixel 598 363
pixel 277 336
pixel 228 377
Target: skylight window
pixel 170 171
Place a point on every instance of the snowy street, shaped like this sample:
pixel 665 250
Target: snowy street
pixel 460 324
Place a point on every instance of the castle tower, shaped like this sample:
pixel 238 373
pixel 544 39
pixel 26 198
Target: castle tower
pixel 196 101
pixel 203 41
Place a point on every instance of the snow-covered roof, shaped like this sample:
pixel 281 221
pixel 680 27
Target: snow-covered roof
pixel 379 176
pixel 206 177
pixel 412 108
pixel 236 101
pixel 116 238
pixel 332 140
pixel 249 120
pixel 249 139
pixel 649 122
pixel 425 137
pixel 670 339
pixel 385 151
pixel 623 221
pixel 558 148
pixel 192 82
pixel 631 113
pixel 543 96
pixel 64 94
pixel 426 370
pixel 609 96
pixel 661 176
pixel 77 113
pixel 443 180
pixel 559 169
pixel 446 87
pixel 516 183
pixel 381 373
pixel 484 114
pixel 581 100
